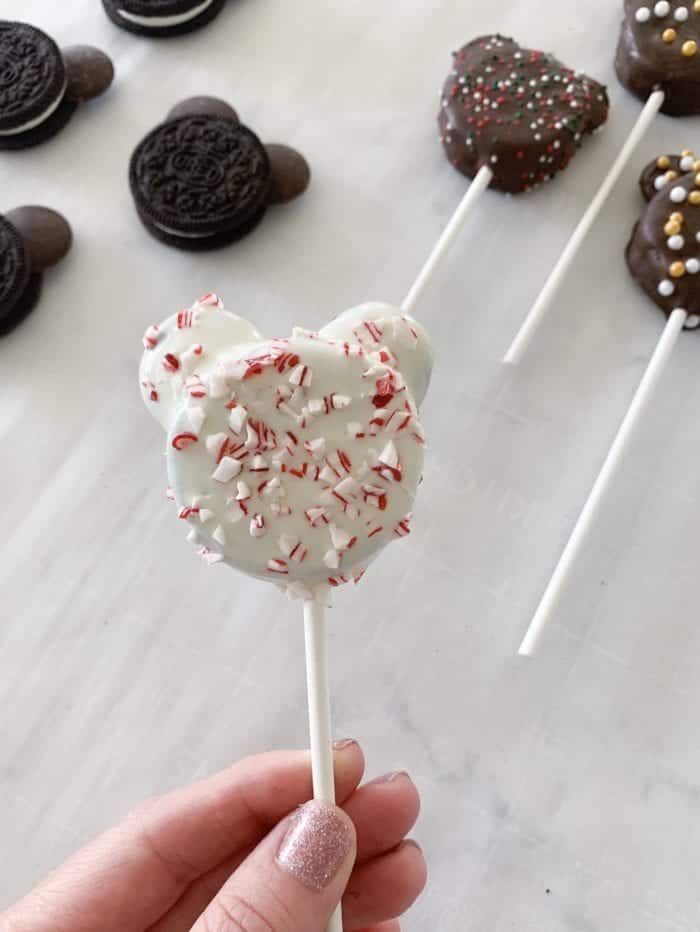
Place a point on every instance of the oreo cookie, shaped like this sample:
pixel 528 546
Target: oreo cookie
pixel 202 180
pixel 41 87
pixel 31 240
pixel 162 18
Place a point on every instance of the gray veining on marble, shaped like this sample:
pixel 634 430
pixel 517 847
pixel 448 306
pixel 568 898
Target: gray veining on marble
pixel 560 795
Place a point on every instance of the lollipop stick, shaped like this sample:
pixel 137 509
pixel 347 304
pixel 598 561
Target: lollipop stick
pixel 558 273
pixel 449 234
pixel 320 715
pixel 587 518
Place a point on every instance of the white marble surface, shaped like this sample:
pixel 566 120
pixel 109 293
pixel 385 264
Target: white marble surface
pixel 127 667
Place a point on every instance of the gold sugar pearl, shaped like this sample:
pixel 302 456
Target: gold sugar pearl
pixel 676 269
pixel 663 162
pixel 696 6
pixel 669 35
pixel 696 166
pixel 677 216
pixel 697 180
pixel 671 176
pixel 690 48
pixel 687 152
pixel 694 198
pixel 672 228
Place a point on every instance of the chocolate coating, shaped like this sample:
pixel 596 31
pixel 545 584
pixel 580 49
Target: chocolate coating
pixel 663 171
pixel 89 72
pixel 520 112
pixel 46 234
pixel 661 50
pixel 290 173
pixel 663 254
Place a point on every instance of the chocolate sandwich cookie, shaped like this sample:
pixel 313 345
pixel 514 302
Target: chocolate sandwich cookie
pixel 162 18
pixel 41 86
pixel 202 180
pixel 520 112
pixel 31 239
pixel 663 254
pixel 665 170
pixel 659 48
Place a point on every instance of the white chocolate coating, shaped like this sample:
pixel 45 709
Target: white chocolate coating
pixel 294 460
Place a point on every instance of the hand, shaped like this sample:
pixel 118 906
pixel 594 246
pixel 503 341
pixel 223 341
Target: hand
pixel 234 853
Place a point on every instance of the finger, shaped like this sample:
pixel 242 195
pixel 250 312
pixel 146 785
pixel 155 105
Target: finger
pixel 293 880
pixel 385 887
pixel 391 926
pixel 166 844
pixel 384 812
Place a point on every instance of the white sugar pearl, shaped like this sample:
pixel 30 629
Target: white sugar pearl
pixel 662 8
pixel 692 266
pixel 697 237
pixel 666 288
pixel 681 14
pixel 643 14
pixel 687 163
pixel 692 322
pixel 678 195
pixel 675 242
pixel 660 182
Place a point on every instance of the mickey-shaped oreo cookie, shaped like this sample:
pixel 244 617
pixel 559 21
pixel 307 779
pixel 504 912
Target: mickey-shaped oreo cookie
pixel 202 180
pixel 31 239
pixel 162 18
pixel 42 85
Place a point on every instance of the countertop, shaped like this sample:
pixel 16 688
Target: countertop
pixel 560 794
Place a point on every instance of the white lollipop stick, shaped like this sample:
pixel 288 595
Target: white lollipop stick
pixel 587 518
pixel 558 273
pixel 448 236
pixel 320 716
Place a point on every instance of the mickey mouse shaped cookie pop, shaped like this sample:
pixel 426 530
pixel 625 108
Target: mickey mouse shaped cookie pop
pixel 510 118
pixel 658 61
pixel 41 85
pixel 663 256
pixel 294 460
pixel 201 180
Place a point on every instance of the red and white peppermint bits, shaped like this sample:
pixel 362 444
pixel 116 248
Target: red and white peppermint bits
pixel 210 300
pixel 304 455
pixel 151 337
pixel 184 440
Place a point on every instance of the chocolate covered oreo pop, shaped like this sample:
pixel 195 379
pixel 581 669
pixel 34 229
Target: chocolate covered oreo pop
pixel 659 50
pixel 41 85
pixel 520 112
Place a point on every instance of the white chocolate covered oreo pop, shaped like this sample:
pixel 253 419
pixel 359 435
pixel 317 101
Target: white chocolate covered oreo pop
pixel 294 460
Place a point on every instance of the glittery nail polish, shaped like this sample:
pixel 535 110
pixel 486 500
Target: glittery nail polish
pixel 316 844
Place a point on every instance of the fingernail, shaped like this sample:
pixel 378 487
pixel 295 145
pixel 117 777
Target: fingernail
pixel 410 843
pixel 316 845
pixel 344 744
pixel 390 777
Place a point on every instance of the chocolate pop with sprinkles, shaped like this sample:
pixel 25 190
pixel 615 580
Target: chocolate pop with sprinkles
pixel 518 111
pixel 664 170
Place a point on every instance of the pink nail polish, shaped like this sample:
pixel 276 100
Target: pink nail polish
pixel 316 844
pixel 390 777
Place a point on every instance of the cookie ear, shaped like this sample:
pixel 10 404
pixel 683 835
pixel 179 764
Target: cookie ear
pixel 376 325
pixel 183 350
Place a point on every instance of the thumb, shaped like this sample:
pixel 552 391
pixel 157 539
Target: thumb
pixel 293 880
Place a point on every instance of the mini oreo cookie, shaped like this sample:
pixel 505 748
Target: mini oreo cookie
pixel 666 169
pixel 39 88
pixel 31 240
pixel 162 18
pixel 201 179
